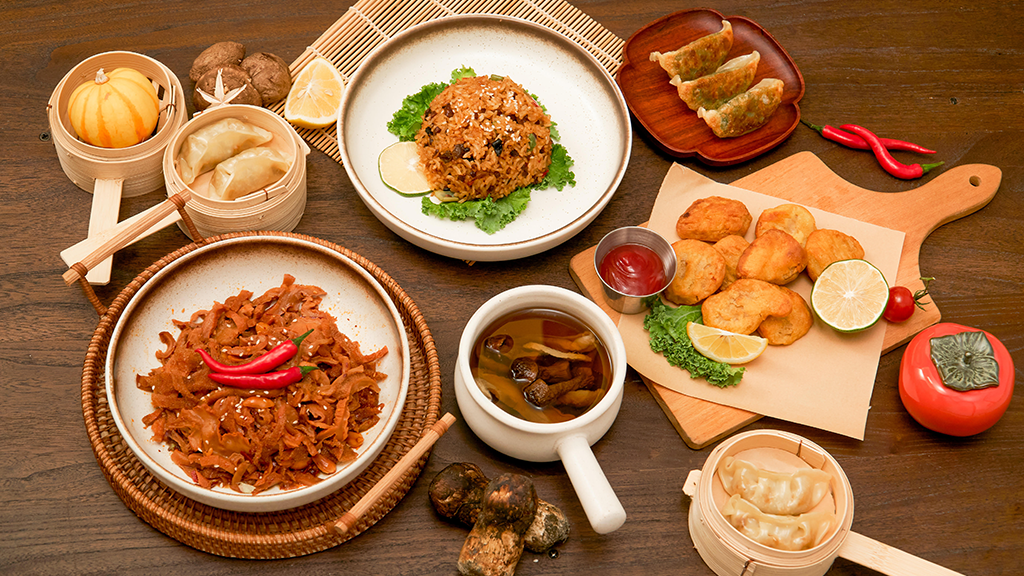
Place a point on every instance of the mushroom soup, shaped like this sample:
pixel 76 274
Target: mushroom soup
pixel 541 365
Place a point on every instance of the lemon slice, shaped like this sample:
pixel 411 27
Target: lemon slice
pixel 724 346
pixel 399 166
pixel 850 295
pixel 315 95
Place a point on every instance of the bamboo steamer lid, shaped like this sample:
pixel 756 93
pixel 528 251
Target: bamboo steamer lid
pixel 278 206
pixel 728 552
pixel 140 167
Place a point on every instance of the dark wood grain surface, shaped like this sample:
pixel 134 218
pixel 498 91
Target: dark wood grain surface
pixel 946 75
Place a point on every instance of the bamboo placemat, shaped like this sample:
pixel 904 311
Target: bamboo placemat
pixel 294 532
pixel 369 23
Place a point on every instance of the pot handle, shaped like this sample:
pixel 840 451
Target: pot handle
pixel 604 511
pixel 888 560
pixel 79 270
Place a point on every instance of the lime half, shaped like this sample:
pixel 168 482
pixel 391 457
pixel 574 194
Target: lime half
pixel 850 295
pixel 399 166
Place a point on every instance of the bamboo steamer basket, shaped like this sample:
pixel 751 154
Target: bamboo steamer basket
pixel 139 167
pixel 112 173
pixel 278 206
pixel 729 553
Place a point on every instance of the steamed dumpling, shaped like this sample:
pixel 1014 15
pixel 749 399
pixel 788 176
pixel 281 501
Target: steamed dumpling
pixel 215 143
pixel 780 532
pixel 247 172
pixel 698 58
pixel 775 492
pixel 715 89
pixel 745 112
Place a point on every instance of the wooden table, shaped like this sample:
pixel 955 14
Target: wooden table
pixel 948 76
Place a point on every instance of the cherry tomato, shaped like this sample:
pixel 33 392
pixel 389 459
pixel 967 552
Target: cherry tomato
pixel 942 409
pixel 901 304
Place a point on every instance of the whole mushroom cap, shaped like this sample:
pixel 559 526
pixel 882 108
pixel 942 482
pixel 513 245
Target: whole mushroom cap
pixel 270 76
pixel 219 54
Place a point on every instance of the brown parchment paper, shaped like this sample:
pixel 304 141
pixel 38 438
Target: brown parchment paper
pixel 823 380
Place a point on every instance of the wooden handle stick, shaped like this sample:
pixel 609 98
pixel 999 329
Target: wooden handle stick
pixel 888 560
pixel 126 235
pixel 349 519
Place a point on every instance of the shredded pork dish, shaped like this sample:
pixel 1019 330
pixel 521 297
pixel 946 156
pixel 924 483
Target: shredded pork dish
pixel 253 439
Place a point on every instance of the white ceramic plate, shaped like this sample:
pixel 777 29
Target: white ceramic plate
pixel 581 97
pixel 363 309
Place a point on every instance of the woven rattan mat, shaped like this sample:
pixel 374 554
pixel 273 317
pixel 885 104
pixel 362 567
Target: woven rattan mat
pixel 370 23
pixel 288 533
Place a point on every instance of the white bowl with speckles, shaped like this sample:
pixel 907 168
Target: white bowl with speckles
pixel 363 309
pixel 578 92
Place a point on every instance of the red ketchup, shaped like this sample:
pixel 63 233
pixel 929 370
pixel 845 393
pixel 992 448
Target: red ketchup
pixel 633 269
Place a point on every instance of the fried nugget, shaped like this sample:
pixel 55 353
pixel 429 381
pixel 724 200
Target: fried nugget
pixel 730 248
pixel 700 270
pixel 793 219
pixel 784 330
pixel 713 218
pixel 774 257
pixel 744 305
pixel 827 246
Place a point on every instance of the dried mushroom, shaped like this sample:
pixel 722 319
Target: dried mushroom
pixel 495 543
pixel 457 493
pixel 270 76
pixel 556 373
pixel 220 54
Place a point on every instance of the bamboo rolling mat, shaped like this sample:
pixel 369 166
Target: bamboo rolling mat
pixel 370 23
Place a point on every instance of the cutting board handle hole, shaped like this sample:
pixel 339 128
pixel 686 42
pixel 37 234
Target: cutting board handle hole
pixel 975 181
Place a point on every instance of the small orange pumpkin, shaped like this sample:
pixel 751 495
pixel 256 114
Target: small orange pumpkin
pixel 115 110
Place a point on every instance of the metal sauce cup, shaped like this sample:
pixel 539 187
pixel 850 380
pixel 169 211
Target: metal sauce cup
pixel 634 303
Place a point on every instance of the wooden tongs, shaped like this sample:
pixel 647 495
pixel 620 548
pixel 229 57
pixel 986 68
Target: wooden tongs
pixel 104 245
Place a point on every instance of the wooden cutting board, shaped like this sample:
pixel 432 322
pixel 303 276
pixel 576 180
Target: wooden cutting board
pixel 804 179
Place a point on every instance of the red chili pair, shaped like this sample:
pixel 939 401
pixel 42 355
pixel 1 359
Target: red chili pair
pixel 256 373
pixel 861 138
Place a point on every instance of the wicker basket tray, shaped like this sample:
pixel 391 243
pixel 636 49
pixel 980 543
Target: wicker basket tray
pixel 295 532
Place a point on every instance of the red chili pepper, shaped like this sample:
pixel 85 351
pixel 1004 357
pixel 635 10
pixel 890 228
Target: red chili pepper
pixel 271 359
pixel 853 141
pixel 268 381
pixel 891 165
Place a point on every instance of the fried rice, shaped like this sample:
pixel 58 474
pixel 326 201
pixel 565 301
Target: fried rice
pixel 484 137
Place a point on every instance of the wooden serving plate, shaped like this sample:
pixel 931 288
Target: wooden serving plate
pixel 677 129
pixel 804 179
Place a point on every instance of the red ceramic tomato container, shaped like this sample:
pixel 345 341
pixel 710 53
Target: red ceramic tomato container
pixel 941 408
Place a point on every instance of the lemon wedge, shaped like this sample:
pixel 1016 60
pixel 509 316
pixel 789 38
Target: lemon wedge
pixel 724 346
pixel 315 95
pixel 399 166
pixel 850 295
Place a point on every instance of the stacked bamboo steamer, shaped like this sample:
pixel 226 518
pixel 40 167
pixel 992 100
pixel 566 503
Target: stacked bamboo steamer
pixel 140 166
pixel 279 206
pixel 728 552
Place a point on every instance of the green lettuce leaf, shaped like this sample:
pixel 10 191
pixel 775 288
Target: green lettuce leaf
pixel 406 122
pixel 559 174
pixel 667 329
pixel 489 215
